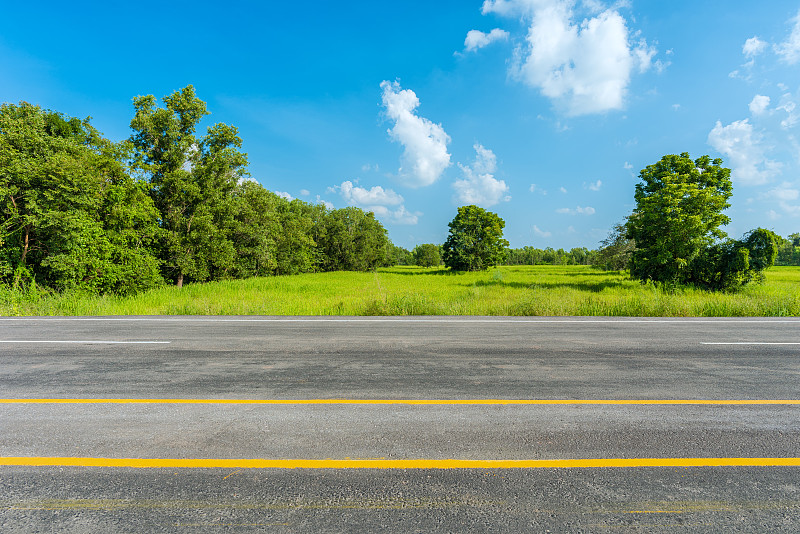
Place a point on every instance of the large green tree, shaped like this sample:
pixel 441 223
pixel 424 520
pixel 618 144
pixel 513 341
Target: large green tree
pixel 192 182
pixel 352 240
pixel 678 215
pixel 427 255
pixel 72 216
pixel 475 241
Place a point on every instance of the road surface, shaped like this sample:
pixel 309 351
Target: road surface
pixel 194 424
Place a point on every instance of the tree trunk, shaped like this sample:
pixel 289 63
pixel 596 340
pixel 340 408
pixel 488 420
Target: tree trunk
pixel 180 280
pixel 24 256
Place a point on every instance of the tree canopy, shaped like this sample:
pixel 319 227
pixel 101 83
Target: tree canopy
pixel 79 211
pixel 427 255
pixel 679 204
pixel 676 228
pixel 475 241
pixel 71 214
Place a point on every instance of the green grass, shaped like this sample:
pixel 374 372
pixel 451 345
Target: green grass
pixel 540 290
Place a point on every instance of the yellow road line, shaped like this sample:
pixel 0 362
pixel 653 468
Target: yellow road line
pixel 411 401
pixel 383 463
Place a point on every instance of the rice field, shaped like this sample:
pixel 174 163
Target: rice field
pixel 519 290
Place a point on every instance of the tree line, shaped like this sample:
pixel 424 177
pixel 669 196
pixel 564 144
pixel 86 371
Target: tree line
pixel 165 206
pixel 171 205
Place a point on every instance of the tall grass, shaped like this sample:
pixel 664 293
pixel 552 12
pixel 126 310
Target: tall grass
pixel 519 290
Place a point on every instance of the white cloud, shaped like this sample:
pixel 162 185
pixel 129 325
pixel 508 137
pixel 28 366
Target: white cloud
pixel 593 186
pixel 359 196
pixel 745 151
pixel 627 166
pixel 284 194
pixel 541 233
pixel 588 210
pixel 585 67
pixel 759 104
pixel 563 190
pixel 477 39
pixel 304 192
pixel 789 50
pixel 783 192
pixel 377 200
pixel 753 47
pixel 479 185
pixel 425 156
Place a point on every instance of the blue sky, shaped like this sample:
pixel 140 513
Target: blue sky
pixel 542 111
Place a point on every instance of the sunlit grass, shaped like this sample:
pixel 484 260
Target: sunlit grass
pixel 521 290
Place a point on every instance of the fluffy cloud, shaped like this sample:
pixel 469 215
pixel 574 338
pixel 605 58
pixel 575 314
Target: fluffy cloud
pixel 477 39
pixel 359 196
pixel 584 67
pixel 377 200
pixel 425 156
pixel 759 104
pixel 588 210
pixel 753 47
pixel 745 151
pixel 284 194
pixel 479 185
pixel 789 50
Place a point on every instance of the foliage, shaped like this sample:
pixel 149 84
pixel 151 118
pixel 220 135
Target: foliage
pixel 475 241
pixel 788 250
pixel 548 256
pixel 192 181
pixel 427 255
pixel 615 250
pixel 678 214
pixel 352 240
pixel 730 265
pixel 400 256
pixel 71 214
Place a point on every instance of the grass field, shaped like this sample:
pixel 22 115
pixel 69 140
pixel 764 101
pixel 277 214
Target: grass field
pixel 524 290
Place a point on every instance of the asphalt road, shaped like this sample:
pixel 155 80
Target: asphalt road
pixel 581 383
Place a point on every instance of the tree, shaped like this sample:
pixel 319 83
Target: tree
pixel 192 181
pixel 475 241
pixel 256 230
pixel 729 265
pixel 427 255
pixel 72 216
pixel 678 214
pixel 615 250
pixel 400 256
pixel 352 240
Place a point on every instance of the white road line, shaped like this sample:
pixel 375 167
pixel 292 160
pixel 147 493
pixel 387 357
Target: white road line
pixel 748 343
pixel 404 319
pixel 84 342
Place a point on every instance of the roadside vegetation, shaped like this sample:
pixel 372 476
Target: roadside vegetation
pixel 517 290
pixel 170 222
